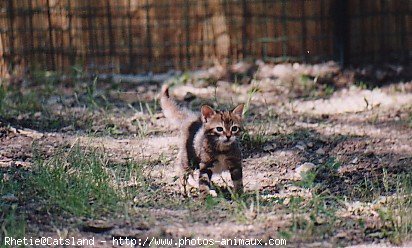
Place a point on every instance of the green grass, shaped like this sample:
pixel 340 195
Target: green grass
pixel 76 182
pixel 27 108
pixel 238 208
pixel 255 136
pixel 142 124
pixel 396 214
pixel 15 102
pixel 30 108
pixel 308 179
pixel 182 79
pixel 91 93
pixel 313 177
pixel 12 220
pixel 250 94
pixel 13 224
pixel 254 141
pixel 306 82
pixel 329 90
pixel 363 85
pixel 315 217
pixel 310 88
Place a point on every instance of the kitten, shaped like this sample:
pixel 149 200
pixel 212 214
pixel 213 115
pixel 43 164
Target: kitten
pixel 209 142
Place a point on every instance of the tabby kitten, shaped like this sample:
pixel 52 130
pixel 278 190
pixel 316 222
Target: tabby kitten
pixel 209 142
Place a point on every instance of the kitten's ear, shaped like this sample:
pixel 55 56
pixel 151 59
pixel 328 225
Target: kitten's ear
pixel 238 110
pixel 207 112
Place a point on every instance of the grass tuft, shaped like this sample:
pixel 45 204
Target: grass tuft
pixel 77 182
pixel 12 220
pixel 395 214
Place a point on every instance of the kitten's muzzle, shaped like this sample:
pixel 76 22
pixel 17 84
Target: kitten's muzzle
pixel 229 139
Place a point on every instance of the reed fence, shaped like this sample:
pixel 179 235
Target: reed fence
pixel 139 36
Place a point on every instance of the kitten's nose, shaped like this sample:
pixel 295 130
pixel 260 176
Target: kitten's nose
pixel 227 137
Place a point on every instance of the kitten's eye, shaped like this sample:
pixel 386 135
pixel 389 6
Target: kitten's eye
pixel 219 129
pixel 235 128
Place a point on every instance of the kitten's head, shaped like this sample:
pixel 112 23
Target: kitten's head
pixel 222 126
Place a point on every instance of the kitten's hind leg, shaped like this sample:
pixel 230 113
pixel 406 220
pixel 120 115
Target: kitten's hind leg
pixel 183 182
pixel 185 171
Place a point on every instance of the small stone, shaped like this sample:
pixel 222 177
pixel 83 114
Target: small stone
pixel 37 115
pixel 305 167
pixel 97 226
pixel 302 148
pixel 269 147
pixel 301 143
pixel 355 160
pixel 320 151
pixel 310 144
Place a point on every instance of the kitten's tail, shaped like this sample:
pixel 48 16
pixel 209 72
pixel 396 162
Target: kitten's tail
pixel 170 109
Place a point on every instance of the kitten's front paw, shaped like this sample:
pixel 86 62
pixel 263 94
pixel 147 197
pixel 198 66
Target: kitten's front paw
pixel 213 193
pixel 204 194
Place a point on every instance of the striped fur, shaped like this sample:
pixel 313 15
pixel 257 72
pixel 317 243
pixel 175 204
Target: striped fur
pixel 209 142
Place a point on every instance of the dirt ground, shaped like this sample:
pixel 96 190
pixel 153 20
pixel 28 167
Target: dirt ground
pixel 350 129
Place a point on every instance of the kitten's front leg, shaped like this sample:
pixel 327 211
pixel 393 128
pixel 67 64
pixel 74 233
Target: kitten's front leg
pixel 237 176
pixel 205 175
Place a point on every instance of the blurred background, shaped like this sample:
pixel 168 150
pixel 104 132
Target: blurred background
pixel 140 36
